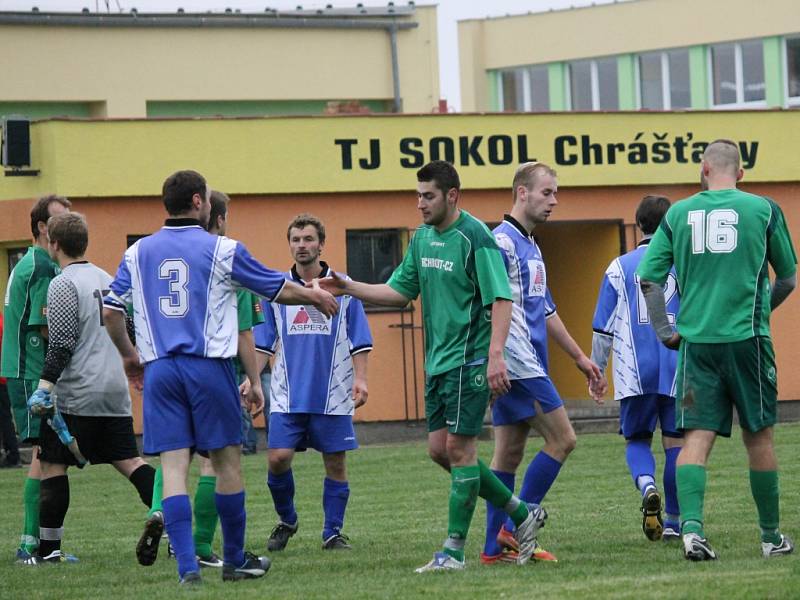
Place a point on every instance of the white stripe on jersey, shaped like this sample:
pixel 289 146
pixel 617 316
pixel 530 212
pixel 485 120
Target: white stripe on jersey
pixel 221 314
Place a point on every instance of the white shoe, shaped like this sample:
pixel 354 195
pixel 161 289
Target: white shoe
pixel 526 532
pixel 769 549
pixel 441 562
pixel 697 548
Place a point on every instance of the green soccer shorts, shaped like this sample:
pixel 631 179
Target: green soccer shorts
pixel 19 390
pixel 713 378
pixel 457 399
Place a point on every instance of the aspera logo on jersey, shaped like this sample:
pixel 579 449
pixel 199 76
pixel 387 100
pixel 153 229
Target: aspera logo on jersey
pixel 538 283
pixel 437 263
pixel 306 320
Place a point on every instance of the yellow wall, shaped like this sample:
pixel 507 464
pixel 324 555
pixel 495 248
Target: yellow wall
pixel 618 28
pixel 300 155
pixel 126 67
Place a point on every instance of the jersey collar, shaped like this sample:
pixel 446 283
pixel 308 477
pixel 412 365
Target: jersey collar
pixel 324 273
pixel 182 222
pixel 644 241
pixel 512 221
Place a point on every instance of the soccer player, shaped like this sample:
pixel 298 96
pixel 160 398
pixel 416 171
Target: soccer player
pixel 24 344
pixel 319 379
pixel 721 241
pixel 532 400
pixel 454 263
pixel 82 381
pixel 181 281
pixel 644 373
pixel 205 512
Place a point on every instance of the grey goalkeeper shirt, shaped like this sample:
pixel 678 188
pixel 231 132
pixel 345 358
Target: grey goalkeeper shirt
pixel 81 358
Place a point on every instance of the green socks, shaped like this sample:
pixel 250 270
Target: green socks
pixel 29 540
pixel 691 480
pixel 205 515
pixel 158 493
pixel 497 494
pixel 464 486
pixel 765 489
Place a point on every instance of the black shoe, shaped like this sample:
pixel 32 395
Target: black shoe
pixel 253 567
pixel 280 536
pixel 192 579
pixel 337 541
pixel 211 561
pixel 652 524
pixel 147 547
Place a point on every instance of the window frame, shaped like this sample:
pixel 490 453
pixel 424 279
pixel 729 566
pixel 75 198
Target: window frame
pixel 527 99
pixel 739 71
pixel 403 237
pixel 787 99
pixel 666 79
pixel 594 83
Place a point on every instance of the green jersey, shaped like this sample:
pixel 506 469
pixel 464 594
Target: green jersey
pixel 249 312
pixel 721 243
pixel 459 272
pixel 25 314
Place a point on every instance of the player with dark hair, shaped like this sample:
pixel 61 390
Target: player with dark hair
pixel 83 389
pixel 454 263
pixel 313 407
pixel 205 511
pixel 722 241
pixel 532 400
pixel 24 345
pixel 181 282
pixel 644 373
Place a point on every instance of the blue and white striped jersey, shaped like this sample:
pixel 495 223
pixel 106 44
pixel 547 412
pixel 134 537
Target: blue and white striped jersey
pixel 313 368
pixel 642 364
pixel 182 283
pixel 526 348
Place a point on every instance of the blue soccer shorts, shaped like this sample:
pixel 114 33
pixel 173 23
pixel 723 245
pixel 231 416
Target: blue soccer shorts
pixel 190 402
pixel 638 416
pixel 518 404
pixel 324 433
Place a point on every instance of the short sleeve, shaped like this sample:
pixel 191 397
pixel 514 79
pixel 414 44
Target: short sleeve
pixel 781 253
pixel 606 308
pixel 38 299
pixel 250 274
pixel 265 334
pixel 358 332
pixel 119 296
pixel 248 310
pixel 492 275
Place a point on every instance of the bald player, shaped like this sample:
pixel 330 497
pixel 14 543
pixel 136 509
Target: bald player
pixel 721 241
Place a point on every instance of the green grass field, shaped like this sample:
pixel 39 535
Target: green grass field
pixel 396 519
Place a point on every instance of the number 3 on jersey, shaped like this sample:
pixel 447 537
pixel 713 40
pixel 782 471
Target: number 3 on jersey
pixel 177 272
pixel 717 232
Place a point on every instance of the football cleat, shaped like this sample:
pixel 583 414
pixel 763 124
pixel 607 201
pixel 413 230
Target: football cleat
pixel 280 536
pixel 652 525
pixel 671 533
pixel 697 548
pixel 147 546
pixel 211 561
pixel 506 539
pixel 253 567
pixel 337 541
pixel 769 549
pixel 506 556
pixel 192 578
pixel 54 558
pixel 542 555
pixel 526 532
pixel 441 562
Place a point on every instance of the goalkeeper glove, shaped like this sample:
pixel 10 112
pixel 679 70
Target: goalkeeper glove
pixel 58 425
pixel 40 403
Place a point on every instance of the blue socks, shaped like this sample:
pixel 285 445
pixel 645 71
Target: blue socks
pixel 282 489
pixel 495 517
pixel 232 519
pixel 671 488
pixel 641 463
pixel 178 523
pixel 539 478
pixel 334 502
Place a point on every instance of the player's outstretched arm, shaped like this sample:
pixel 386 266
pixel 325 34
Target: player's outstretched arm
pixel 115 326
pixel 291 293
pixel 374 293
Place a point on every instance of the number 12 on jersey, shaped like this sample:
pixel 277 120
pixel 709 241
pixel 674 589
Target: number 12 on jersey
pixel 715 231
